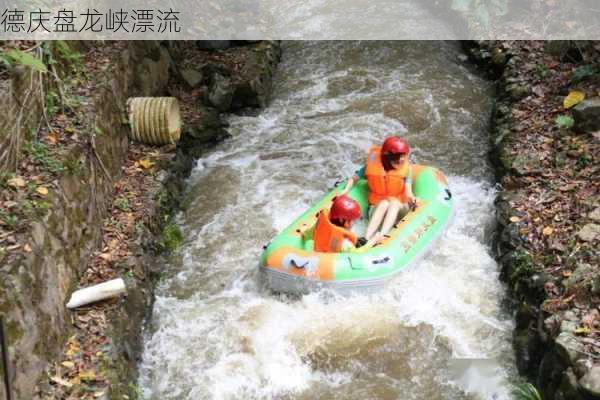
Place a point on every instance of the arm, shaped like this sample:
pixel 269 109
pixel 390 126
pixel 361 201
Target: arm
pixel 308 233
pixel 412 201
pixel 360 174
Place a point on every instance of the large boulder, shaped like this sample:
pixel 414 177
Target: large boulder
pixel 587 115
pixel 151 62
pixel 220 92
pixel 213 44
pixel 192 77
pixel 590 382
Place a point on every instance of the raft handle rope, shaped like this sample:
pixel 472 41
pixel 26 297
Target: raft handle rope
pixel 5 362
pixel 293 262
pixel 449 195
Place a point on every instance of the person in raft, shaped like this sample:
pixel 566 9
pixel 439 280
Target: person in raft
pixel 388 175
pixel 331 233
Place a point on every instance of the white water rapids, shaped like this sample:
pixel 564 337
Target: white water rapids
pixel 438 331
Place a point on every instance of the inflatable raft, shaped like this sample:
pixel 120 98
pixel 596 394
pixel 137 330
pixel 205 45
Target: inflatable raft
pixel 289 263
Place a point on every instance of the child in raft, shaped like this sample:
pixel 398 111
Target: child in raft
pixel 331 233
pixel 388 175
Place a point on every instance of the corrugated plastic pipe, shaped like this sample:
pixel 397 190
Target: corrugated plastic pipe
pixel 154 120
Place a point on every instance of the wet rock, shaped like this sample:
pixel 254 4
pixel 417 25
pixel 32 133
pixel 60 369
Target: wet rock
pixel 550 373
pixel 589 232
pixel 581 273
pixel 568 387
pixel 518 91
pixel 595 285
pixel 567 50
pixel 253 89
pixel 192 77
pixel 213 44
pixel 590 383
pixel 587 115
pixel 208 128
pixel 582 367
pixel 528 351
pixel 526 164
pixel 570 316
pixel 498 57
pixel 151 62
pixel 220 92
pixel 567 344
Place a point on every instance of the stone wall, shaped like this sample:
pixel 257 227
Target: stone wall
pixel 547 350
pixel 20 113
pixel 34 287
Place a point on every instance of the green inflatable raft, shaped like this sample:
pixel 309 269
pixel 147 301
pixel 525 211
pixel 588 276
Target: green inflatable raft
pixel 289 263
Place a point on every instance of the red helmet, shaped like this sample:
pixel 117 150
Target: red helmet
pixel 344 208
pixel 395 145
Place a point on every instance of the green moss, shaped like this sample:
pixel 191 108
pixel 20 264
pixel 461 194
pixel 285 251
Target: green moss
pixel 522 267
pixel 172 237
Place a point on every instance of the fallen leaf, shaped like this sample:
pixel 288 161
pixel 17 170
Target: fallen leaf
pixel 17 182
pixel 548 231
pixel 575 97
pixel 88 375
pixel 515 219
pixel 27 248
pixel 145 163
pixel 567 273
pixel 68 364
pixel 61 381
pixel 42 190
pixel 52 137
pixel 583 330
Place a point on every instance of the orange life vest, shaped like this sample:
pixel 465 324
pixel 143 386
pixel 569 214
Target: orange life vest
pixel 384 183
pixel 329 237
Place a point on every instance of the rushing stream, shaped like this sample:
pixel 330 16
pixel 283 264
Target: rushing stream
pixel 438 331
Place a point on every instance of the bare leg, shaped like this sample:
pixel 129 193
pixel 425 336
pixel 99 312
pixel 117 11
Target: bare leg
pixel 391 216
pixel 395 211
pixel 376 219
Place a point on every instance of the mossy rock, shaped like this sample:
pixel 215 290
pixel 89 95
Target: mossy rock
pixel 518 91
pixel 172 237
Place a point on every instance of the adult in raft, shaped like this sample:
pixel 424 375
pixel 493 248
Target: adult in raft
pixel 388 175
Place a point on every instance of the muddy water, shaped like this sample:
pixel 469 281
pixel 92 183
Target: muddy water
pixel 438 331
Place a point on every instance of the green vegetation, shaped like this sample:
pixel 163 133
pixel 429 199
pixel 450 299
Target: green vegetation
pixel 135 393
pixel 74 166
pixel 10 220
pixel 172 237
pixel 122 203
pixel 564 122
pixel 526 391
pixel 585 72
pixel 41 155
pixel 523 267
pixel 19 57
pixel 52 102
